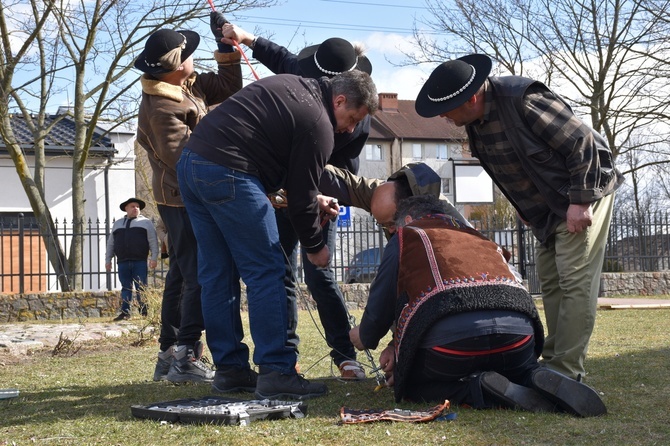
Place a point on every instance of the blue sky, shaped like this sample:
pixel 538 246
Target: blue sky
pixel 384 27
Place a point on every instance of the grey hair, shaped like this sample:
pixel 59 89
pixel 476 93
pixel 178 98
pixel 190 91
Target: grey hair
pixel 358 88
pixel 418 206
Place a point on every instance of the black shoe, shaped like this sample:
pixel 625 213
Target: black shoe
pixel 504 392
pixel 163 364
pixel 121 317
pixel 186 367
pixel 234 379
pixel 275 385
pixel 572 396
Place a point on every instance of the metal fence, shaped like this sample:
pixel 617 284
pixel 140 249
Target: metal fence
pixel 636 243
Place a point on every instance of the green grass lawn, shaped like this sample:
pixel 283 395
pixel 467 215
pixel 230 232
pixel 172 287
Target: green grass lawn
pixel 85 398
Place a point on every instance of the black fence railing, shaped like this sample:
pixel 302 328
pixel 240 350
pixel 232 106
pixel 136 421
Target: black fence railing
pixel 636 243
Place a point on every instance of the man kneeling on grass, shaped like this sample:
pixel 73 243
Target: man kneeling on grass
pixel 465 329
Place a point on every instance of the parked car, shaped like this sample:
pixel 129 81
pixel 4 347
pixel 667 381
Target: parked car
pixel 363 267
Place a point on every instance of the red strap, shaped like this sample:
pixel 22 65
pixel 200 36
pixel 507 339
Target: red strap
pixel 483 352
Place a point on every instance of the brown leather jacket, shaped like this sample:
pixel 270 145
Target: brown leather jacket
pixel 169 113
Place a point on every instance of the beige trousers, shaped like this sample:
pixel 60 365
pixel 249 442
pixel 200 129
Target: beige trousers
pixel 569 268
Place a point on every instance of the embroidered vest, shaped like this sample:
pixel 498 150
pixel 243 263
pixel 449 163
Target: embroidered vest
pixel 448 269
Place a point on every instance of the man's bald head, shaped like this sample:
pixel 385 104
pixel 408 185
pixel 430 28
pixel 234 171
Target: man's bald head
pixel 383 205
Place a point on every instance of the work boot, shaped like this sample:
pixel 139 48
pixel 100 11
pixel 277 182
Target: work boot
pixel 572 396
pixel 275 385
pixel 186 367
pixel 504 392
pixel 234 379
pixel 163 364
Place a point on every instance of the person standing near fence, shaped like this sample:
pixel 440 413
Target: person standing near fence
pixel 331 57
pixel 557 172
pixel 131 240
pixel 174 99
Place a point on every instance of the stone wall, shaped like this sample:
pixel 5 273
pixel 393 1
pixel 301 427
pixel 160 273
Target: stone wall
pixel 58 306
pixel 644 284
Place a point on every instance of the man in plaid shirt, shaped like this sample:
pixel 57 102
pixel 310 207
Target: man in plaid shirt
pixel 557 172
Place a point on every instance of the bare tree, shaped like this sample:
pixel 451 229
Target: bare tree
pixel 87 48
pixel 609 58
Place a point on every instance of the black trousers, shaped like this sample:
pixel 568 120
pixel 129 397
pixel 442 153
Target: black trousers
pixel 438 375
pixel 322 287
pixel 181 315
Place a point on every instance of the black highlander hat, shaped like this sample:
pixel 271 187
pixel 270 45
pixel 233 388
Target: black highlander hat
pixel 330 58
pixel 451 84
pixel 160 44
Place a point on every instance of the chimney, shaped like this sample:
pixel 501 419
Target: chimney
pixel 388 102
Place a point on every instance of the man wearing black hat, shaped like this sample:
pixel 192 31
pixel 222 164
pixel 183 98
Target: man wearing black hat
pixel 557 172
pixel 332 57
pixel 174 99
pixel 132 239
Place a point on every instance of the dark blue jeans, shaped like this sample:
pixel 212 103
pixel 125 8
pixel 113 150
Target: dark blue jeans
pixel 237 236
pixel 437 376
pixel 323 288
pixel 132 273
pixel 181 314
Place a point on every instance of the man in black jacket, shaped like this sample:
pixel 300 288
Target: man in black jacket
pixel 333 56
pixel 277 133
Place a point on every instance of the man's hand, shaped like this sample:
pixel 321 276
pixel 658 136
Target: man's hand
pixel 387 363
pixel 321 258
pixel 355 337
pixel 328 208
pixel 216 22
pixel 152 264
pixel 579 217
pixel 232 32
pixel 108 266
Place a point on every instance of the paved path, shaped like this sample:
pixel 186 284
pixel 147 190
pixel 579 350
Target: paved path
pixel 20 338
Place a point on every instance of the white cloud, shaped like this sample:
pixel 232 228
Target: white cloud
pixel 392 45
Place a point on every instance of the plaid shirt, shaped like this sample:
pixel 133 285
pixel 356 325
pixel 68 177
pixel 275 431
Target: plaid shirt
pixel 553 122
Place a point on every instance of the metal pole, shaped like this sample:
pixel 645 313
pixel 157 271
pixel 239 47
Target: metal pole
pixel 22 273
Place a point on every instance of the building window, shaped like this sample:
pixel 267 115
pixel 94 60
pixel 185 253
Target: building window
pixel 442 152
pixel 373 152
pixel 417 151
pixel 446 186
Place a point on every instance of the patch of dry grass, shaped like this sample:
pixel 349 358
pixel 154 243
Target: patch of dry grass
pixel 85 398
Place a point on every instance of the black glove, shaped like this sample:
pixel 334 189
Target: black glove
pixel 216 21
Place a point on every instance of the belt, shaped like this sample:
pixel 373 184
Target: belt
pixel 483 352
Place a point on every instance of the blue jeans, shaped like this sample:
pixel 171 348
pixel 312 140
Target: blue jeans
pixel 235 226
pixel 181 315
pixel 323 289
pixel 132 273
